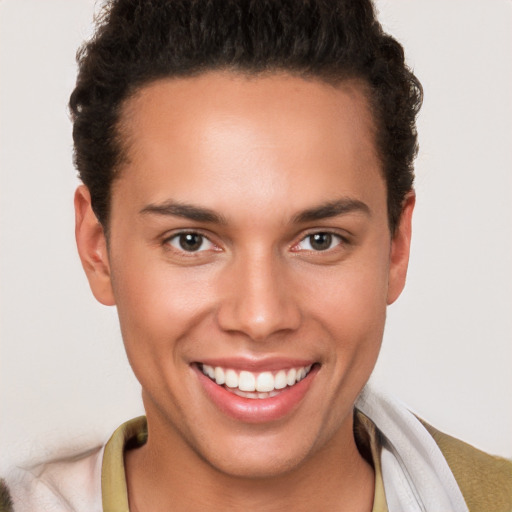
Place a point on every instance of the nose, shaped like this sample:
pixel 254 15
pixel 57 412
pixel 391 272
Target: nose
pixel 258 300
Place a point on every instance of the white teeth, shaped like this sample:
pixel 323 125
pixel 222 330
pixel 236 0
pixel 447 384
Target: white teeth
pixel 231 379
pixel 246 381
pixel 280 381
pixel 247 394
pixel 209 370
pixel 265 382
pixel 219 376
pixel 255 385
pixel 291 376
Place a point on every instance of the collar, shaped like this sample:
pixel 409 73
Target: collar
pixel 134 433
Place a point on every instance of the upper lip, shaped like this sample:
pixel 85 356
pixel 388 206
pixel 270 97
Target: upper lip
pixel 257 364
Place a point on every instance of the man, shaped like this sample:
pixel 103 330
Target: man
pixel 247 205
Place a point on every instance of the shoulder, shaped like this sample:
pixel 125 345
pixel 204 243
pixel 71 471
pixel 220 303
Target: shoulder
pixel 69 483
pixel 484 480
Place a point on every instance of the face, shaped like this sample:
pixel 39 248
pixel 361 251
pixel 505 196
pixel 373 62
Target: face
pixel 251 263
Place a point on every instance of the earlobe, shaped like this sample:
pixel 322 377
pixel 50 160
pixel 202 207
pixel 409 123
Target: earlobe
pixel 92 247
pixel 400 249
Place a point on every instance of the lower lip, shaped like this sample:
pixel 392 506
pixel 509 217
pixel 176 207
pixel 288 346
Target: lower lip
pixel 256 410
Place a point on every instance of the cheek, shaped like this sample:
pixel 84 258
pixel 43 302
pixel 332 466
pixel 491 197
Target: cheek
pixel 350 305
pixel 353 297
pixel 159 317
pixel 158 305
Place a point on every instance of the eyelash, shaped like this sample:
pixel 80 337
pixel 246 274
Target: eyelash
pixel 331 238
pixel 177 237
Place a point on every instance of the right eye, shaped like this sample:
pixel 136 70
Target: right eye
pixel 319 242
pixel 190 242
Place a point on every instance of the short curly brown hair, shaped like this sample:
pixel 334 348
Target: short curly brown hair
pixel 139 41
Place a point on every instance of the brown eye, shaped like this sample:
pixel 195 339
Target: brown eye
pixel 190 242
pixel 320 241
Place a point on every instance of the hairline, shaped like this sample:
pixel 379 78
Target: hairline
pixel 336 80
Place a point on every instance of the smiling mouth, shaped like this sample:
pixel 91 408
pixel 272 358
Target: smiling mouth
pixel 255 385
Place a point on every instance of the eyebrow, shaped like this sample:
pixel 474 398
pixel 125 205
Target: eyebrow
pixel 185 211
pixel 332 209
pixel 200 214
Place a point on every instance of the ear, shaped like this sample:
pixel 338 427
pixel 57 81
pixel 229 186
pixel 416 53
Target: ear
pixel 92 247
pixel 400 249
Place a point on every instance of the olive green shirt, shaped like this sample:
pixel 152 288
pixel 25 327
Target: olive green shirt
pixel 485 481
pixel 134 432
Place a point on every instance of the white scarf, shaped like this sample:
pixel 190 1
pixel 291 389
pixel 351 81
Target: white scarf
pixel 416 476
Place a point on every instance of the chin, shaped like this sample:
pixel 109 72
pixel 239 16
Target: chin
pixel 258 466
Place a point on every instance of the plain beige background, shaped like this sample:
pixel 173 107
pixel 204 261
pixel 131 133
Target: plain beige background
pixel 64 379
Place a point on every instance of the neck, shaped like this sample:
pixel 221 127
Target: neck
pixel 166 471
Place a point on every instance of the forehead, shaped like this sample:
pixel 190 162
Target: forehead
pixel 266 133
pixel 221 98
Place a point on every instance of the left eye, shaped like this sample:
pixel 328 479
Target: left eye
pixel 190 242
pixel 319 242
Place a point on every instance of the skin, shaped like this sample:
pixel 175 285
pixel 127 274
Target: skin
pixel 257 152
